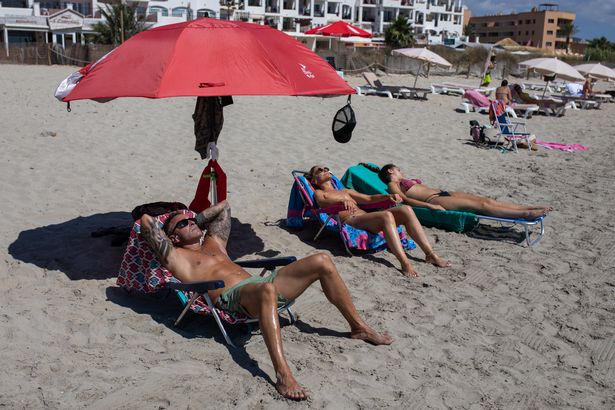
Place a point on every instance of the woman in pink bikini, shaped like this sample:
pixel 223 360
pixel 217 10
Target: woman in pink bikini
pixel 385 221
pixel 414 193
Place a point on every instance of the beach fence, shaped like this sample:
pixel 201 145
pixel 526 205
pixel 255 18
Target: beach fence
pixel 49 54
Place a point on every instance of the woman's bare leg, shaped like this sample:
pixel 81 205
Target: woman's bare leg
pixel 486 207
pixel 384 221
pixel 404 215
pixel 497 203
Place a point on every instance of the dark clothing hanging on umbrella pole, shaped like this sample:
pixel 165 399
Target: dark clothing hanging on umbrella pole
pixel 208 121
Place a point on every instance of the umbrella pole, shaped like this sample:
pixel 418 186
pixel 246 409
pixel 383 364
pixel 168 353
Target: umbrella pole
pixel 545 91
pixel 417 75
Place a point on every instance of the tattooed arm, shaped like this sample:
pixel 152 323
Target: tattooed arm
pixel 157 239
pixel 217 219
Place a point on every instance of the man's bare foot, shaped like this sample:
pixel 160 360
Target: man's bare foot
pixel 408 270
pixel 290 389
pixel 369 335
pixel 436 260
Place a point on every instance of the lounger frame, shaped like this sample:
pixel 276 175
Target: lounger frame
pixel 526 226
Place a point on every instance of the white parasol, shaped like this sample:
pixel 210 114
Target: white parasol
pixel 423 55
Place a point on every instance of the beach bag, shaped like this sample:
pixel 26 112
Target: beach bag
pixel 477 133
pixel 156 209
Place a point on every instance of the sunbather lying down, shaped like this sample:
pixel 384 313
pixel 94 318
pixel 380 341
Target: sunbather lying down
pixel 385 221
pixel 413 192
pixel 521 96
pixel 182 248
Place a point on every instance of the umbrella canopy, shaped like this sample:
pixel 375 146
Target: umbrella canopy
pixel 597 71
pixel 339 29
pixel 423 55
pixel 208 57
pixel 553 66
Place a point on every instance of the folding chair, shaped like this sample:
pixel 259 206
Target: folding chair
pixel 140 271
pixel 512 131
pixel 302 205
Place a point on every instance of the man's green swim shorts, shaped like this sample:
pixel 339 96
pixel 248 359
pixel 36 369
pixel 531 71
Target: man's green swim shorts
pixel 229 300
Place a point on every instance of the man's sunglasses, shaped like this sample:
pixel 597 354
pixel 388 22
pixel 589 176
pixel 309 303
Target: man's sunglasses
pixel 182 224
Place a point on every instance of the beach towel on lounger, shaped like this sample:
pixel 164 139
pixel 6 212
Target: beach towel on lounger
pixel 366 181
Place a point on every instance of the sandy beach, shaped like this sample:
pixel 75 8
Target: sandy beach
pixel 506 327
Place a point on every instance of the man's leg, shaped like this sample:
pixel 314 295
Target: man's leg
pixel 292 280
pixel 260 300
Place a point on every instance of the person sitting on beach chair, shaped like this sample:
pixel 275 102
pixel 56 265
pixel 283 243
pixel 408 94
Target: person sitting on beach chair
pixel 414 193
pixel 385 220
pixel 182 248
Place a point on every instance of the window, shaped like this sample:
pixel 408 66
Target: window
pixel 155 9
pixel 179 12
pixel 549 32
pixel 549 44
pixel 551 21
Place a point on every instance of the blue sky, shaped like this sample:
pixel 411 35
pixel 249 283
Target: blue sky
pixel 595 18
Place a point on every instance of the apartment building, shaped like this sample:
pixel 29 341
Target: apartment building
pixel 65 22
pixel 540 27
pixel 430 17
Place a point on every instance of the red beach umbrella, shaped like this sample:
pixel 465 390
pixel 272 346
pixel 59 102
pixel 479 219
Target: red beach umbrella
pixel 340 29
pixel 207 57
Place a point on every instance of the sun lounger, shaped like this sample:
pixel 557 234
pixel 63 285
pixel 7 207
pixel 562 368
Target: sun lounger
pixel 483 90
pixel 141 272
pixel 366 181
pixel 443 89
pixel 579 101
pixel 367 90
pixel 302 205
pixel 395 90
pixel 524 110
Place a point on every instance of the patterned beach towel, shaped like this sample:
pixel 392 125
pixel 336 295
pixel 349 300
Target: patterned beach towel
pixel 355 238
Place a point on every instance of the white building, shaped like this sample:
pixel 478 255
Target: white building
pixel 61 22
pixel 433 17
pixel 429 17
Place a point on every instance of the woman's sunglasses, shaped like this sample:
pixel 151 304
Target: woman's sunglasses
pixel 182 224
pixel 319 170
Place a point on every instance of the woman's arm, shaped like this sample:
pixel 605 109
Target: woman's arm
pixel 394 188
pixel 329 198
pixel 370 199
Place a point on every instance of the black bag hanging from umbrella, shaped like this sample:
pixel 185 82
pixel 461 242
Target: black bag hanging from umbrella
pixel 344 122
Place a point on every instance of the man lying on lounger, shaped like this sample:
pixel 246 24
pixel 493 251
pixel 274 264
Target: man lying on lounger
pixel 182 249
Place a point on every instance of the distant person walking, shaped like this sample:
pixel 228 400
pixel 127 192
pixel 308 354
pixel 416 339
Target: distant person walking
pixel 489 67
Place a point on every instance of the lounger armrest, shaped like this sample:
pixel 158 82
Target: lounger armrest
pixel 199 287
pixel 269 263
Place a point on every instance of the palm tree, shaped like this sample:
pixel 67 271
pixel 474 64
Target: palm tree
pixel 120 24
pixel 600 43
pixel 399 34
pixel 468 30
pixel 568 30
